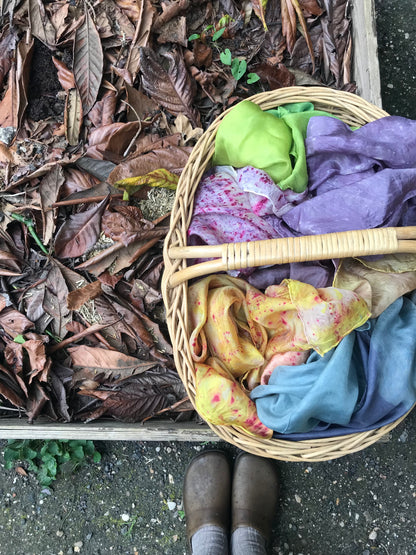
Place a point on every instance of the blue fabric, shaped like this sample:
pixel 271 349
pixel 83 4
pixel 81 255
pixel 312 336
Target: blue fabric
pixel 367 381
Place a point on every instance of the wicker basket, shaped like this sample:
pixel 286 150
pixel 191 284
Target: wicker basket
pixel 352 110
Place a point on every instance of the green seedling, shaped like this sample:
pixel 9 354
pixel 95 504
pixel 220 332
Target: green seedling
pixel 48 458
pixel 252 78
pixel 226 57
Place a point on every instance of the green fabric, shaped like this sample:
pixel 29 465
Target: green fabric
pixel 272 141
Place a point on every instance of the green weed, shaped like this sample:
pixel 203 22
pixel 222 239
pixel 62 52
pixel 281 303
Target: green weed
pixel 48 458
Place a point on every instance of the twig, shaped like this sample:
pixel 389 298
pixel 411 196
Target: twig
pixel 93 329
pixel 98 334
pixel 89 200
pixel 172 407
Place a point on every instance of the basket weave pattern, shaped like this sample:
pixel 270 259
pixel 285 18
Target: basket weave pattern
pixel 355 112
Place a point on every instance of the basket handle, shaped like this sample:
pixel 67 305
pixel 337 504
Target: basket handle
pixel 234 256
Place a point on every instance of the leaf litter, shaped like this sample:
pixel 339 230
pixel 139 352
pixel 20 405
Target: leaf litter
pixel 101 104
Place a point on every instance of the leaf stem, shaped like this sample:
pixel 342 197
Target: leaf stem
pixel 29 224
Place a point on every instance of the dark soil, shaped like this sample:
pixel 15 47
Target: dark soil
pixel 44 86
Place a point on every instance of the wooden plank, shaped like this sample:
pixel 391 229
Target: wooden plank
pixel 18 428
pixel 366 69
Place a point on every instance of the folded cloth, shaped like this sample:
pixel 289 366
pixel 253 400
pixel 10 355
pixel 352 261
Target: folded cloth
pixel 378 280
pixel 268 140
pixel 359 179
pixel 367 381
pixel 238 205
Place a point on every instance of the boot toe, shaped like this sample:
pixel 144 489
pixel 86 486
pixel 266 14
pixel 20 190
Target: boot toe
pixel 207 492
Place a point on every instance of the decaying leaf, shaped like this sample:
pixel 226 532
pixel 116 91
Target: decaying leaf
pixel 130 404
pixel 79 232
pixel 173 89
pixel 259 7
pixel 65 76
pixel 49 192
pixel 40 25
pixel 156 178
pixel 73 116
pixel 88 62
pixel 95 361
pixel 80 296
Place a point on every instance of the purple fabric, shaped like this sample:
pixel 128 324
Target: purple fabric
pixel 358 179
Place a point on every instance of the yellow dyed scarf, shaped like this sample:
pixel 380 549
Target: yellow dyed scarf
pixel 239 329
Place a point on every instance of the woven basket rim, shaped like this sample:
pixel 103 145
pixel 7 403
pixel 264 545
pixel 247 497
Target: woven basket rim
pixel 353 110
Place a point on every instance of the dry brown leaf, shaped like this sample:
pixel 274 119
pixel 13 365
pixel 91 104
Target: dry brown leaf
pixel 310 7
pixel 49 189
pixel 21 471
pixel 259 7
pixel 288 17
pixel 174 89
pixel 40 364
pixel 103 111
pixel 65 75
pixel 79 232
pixel 131 8
pixel 139 104
pixel 112 364
pixel 40 26
pixel 80 296
pixel 7 48
pixel 14 322
pixel 76 180
pixel 14 101
pixel 133 403
pixel 88 62
pixel 174 31
pixel 73 116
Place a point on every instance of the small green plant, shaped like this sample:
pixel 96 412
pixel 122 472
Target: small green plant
pixel 238 67
pixel 50 457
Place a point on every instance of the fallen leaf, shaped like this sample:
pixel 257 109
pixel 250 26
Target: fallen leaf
pixel 173 89
pixel 36 401
pixel 88 62
pixel 171 158
pixel 310 7
pixel 7 48
pixel 14 101
pixel 112 364
pixel 131 8
pixel 73 116
pixel 40 26
pixel 39 363
pixel 259 7
pixel 21 471
pixel 14 322
pixel 156 178
pixel 276 76
pixel 288 17
pixel 65 75
pixel 130 404
pixel 173 31
pixel 103 111
pixel 49 189
pixel 54 301
pixel 79 232
pixel 80 296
